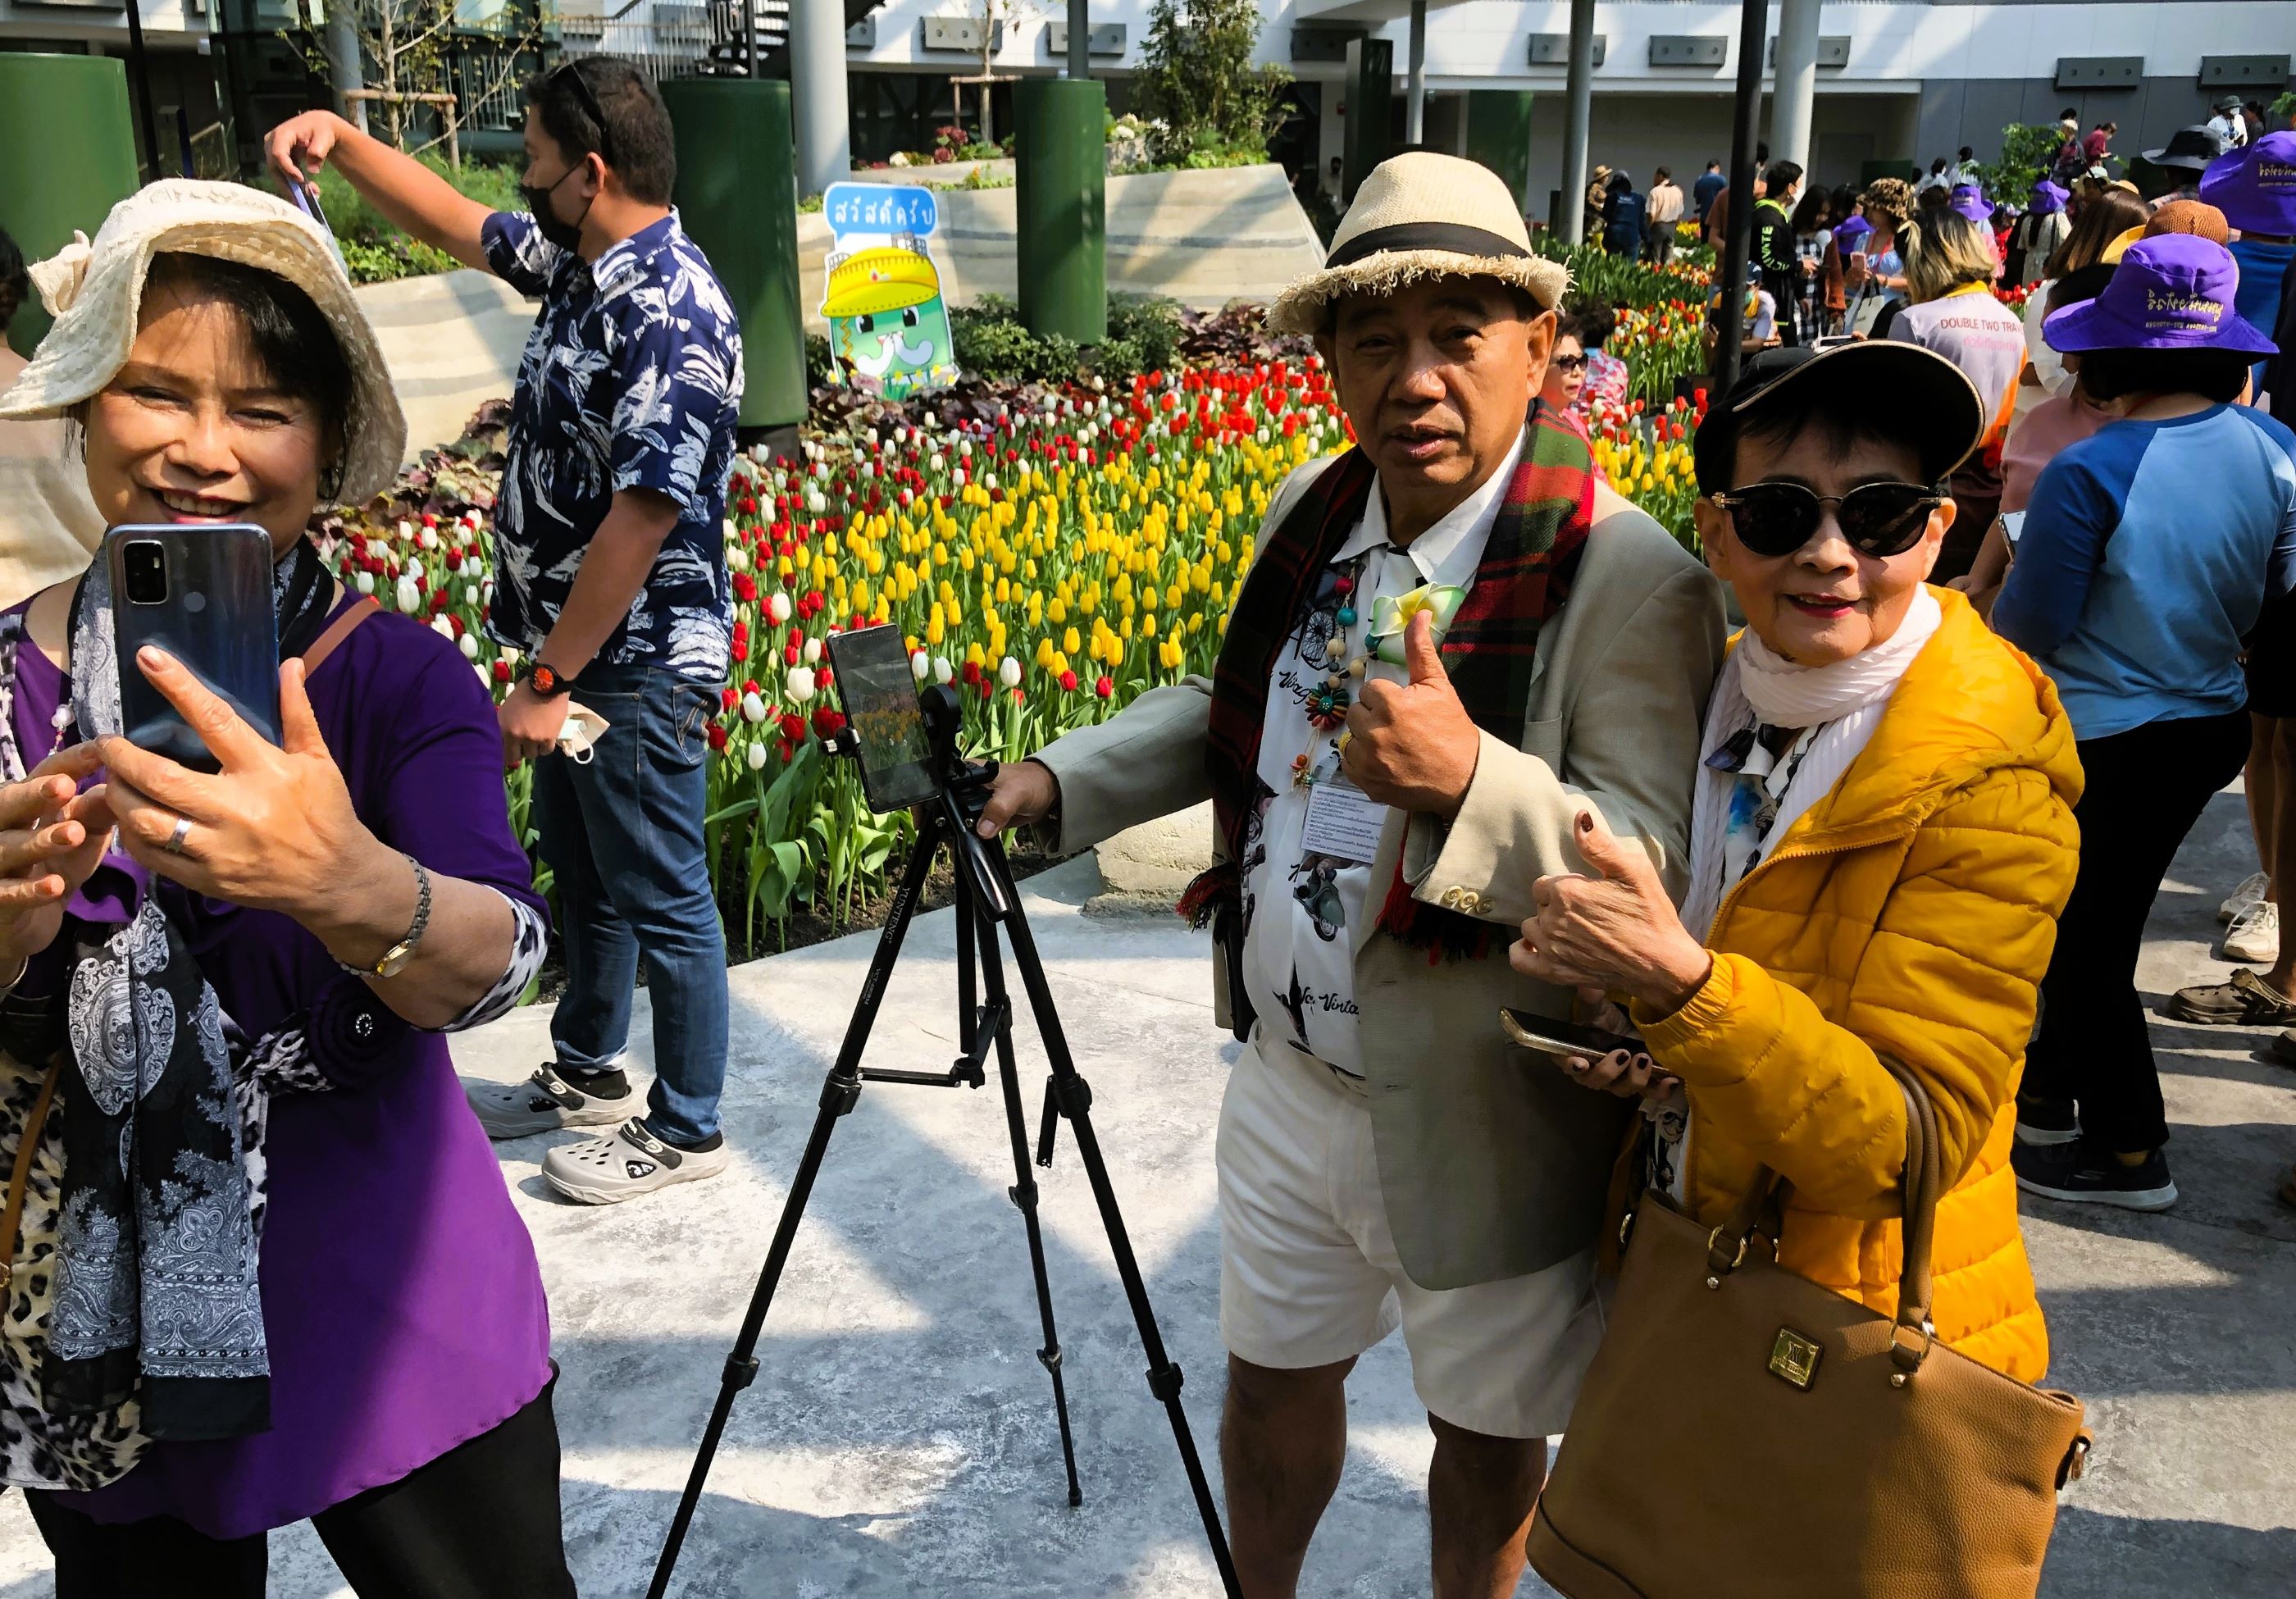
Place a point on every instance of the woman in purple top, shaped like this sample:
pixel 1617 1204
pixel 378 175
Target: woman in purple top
pixel 324 1305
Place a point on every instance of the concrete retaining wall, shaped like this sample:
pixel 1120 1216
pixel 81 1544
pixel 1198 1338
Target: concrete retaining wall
pixel 452 341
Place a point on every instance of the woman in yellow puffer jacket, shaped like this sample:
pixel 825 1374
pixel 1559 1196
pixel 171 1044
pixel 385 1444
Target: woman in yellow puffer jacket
pixel 1881 840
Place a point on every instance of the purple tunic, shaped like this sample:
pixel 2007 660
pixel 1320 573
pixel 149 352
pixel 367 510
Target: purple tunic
pixel 401 1298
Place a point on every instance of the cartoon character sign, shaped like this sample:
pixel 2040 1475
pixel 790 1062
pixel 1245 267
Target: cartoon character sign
pixel 887 325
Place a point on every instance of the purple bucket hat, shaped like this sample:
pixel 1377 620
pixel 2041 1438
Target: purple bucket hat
pixel 1970 200
pixel 2049 196
pixel 1846 236
pixel 2255 186
pixel 2171 292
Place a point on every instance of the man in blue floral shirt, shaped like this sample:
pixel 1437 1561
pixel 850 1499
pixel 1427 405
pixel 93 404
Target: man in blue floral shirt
pixel 610 584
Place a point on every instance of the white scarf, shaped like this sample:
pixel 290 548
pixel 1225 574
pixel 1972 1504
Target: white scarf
pixel 1843 700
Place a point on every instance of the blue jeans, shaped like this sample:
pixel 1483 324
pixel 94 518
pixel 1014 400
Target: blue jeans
pixel 623 835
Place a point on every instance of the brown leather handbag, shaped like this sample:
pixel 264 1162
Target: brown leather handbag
pixel 1745 1433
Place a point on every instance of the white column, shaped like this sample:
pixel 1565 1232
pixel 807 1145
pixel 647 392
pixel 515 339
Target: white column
pixel 1793 98
pixel 1415 93
pixel 1577 116
pixel 825 133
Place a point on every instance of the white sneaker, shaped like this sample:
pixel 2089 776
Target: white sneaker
pixel 631 1162
pixel 2254 937
pixel 2251 890
pixel 542 1104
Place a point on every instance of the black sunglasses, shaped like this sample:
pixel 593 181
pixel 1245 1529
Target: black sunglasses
pixel 570 71
pixel 1878 519
pixel 1569 363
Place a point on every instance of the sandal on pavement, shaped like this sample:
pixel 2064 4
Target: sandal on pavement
pixel 544 1103
pixel 2246 1000
pixel 627 1162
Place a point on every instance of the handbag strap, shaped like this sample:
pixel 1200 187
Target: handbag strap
pixel 337 630
pixel 19 1176
pixel 1919 1187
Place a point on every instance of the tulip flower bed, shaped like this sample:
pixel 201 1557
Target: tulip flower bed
pixel 1051 552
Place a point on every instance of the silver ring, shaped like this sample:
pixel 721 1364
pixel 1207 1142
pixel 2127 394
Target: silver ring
pixel 175 844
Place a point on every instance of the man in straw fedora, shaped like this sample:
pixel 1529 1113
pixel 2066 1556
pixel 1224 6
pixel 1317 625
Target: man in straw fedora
pixel 1454 640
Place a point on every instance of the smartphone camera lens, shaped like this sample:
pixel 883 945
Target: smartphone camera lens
pixel 143 570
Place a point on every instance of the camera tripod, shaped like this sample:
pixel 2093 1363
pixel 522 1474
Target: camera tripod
pixel 986 901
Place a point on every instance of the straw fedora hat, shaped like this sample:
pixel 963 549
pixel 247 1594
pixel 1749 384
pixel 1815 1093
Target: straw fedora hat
pixel 95 288
pixel 1417 216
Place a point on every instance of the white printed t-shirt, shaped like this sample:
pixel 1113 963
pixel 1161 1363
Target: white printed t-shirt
pixel 1304 909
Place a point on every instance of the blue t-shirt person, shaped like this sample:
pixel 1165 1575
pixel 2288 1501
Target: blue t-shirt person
pixel 2149 551
pixel 1704 190
pixel 631 378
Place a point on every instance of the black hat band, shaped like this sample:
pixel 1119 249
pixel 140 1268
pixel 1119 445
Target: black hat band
pixel 1455 238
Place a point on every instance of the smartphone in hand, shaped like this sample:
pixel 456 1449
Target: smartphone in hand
pixel 1561 1041
pixel 203 595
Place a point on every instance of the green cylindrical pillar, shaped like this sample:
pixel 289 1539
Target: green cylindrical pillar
pixel 1498 135
pixel 67 156
pixel 1061 146
pixel 737 198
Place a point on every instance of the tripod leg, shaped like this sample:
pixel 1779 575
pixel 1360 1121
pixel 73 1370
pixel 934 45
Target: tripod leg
pixel 1023 1191
pixel 839 1094
pixel 1073 1096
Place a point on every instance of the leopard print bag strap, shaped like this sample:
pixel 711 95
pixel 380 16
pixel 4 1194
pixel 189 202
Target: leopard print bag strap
pixel 12 1215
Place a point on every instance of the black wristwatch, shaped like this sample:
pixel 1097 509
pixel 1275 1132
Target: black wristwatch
pixel 546 681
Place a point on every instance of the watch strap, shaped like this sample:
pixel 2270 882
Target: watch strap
pixel 394 958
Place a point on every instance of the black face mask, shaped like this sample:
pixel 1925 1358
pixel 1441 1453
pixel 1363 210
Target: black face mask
pixel 566 235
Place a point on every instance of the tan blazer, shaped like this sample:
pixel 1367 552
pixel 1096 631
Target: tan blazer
pixel 1492 1166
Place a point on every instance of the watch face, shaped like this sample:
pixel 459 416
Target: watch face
pixel 545 681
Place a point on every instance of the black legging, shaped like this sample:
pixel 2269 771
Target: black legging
pixel 2144 790
pixel 481 1521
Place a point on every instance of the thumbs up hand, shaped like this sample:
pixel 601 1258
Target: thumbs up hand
pixel 1412 744
pixel 1615 930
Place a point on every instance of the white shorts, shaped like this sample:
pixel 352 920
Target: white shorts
pixel 1309 1275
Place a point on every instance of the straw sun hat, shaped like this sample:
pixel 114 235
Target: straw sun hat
pixel 93 291
pixel 1418 215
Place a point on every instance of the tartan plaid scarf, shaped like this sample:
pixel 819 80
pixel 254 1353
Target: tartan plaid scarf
pixel 1523 580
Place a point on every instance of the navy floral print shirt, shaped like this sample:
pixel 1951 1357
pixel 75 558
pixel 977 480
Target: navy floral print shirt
pixel 631 378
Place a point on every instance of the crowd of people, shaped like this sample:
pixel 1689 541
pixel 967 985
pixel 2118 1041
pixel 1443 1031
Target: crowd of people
pixel 1864 889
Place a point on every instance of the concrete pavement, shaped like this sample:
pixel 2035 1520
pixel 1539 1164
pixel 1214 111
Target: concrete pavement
pixel 899 1440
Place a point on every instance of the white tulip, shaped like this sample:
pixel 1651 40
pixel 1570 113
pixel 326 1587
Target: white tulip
pixel 737 559
pixel 410 598
pixel 1008 672
pixel 428 538
pixel 378 550
pixel 469 593
pixel 812 652
pixel 405 531
pixel 815 501
pixel 469 645
pixel 753 708
pixel 756 757
pixel 363 582
pixel 919 665
pixel 444 628
pixel 733 534
pixel 485 678
pixel 988 480
pixel 964 448
pixel 800 684
pixel 777 606
pixel 942 670
pixel 939 464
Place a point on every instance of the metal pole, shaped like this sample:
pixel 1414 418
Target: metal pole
pixel 825 137
pixel 345 65
pixel 1794 97
pixel 750 40
pixel 1415 92
pixel 1576 120
pixel 139 78
pixel 1738 244
pixel 1079 39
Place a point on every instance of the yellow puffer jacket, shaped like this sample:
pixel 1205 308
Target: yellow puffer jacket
pixel 1912 911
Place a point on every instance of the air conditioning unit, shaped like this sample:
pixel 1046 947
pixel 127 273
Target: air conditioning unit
pixel 1106 38
pixel 1553 49
pixel 1689 49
